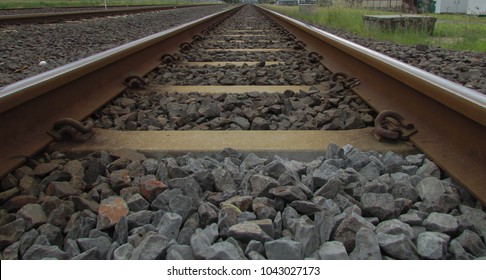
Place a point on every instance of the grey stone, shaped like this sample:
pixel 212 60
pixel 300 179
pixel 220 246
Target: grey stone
pixel 27 239
pixel 124 252
pixel 200 244
pixel 330 189
pixel 101 244
pixel 139 218
pixel 324 173
pixel 11 232
pixel 208 213
pixel 260 185
pixel 307 234
pixel 324 222
pixel 53 234
pixel 429 169
pixel 39 252
pixel 211 232
pixel 183 205
pixel 477 217
pixel 441 222
pixel 111 250
pixel 289 193
pixel 179 252
pixel 396 227
pixel 248 231
pixel 431 245
pixel 91 254
pixel 458 251
pixel 11 252
pixel 278 225
pixel 120 179
pixel 120 235
pixel 255 246
pixel 347 229
pixel 472 243
pixel 371 171
pixel 33 215
pixel 83 203
pixel 242 202
pixel 398 246
pixel 169 226
pixel 413 217
pixel 333 250
pixel 188 185
pixel 333 151
pixel 137 203
pixel 266 225
pixel 305 207
pixel 430 190
pixel 392 162
pixel 380 205
pixel 251 162
pixel 153 246
pixel 366 246
pixel 254 255
pixel 161 202
pixel 61 189
pixel 259 123
pixel 80 224
pixel 188 229
pixel 227 217
pixel 223 181
pixel 71 248
pixel 223 251
pixel 283 249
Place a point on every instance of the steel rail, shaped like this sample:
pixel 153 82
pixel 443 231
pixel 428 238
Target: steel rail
pixel 450 118
pixel 30 107
pixel 75 15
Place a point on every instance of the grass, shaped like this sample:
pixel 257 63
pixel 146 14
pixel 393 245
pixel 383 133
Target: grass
pixel 9 4
pixel 456 32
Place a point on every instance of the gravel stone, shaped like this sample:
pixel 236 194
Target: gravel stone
pixel 432 245
pixel 283 249
pixel 441 222
pixel 396 227
pixel 248 231
pixel 39 252
pixel 153 246
pixel 33 215
pixel 472 243
pixel 137 203
pixel 366 246
pixel 261 185
pixel 398 246
pixel 11 232
pixel 307 234
pixel 324 222
pixel 61 189
pixel 200 244
pixel 347 229
pixel 170 225
pixel 380 205
pixel 101 245
pixel 223 251
pixel 110 211
pixel 333 250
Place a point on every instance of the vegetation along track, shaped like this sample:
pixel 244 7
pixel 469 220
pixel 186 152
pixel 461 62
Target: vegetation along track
pixel 249 81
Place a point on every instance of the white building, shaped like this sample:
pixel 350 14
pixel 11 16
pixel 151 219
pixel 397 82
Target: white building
pixel 472 7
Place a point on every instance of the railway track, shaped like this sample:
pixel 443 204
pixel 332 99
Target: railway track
pixel 267 88
pixel 56 16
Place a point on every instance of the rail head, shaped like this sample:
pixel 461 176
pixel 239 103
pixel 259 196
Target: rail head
pixel 468 102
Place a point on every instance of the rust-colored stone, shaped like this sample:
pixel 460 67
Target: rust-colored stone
pixel 151 189
pixel 110 211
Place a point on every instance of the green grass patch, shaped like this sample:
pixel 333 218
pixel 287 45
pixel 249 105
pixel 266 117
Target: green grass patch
pixel 456 32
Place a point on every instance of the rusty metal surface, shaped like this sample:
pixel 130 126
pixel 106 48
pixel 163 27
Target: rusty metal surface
pixel 63 16
pixel 450 119
pixel 29 108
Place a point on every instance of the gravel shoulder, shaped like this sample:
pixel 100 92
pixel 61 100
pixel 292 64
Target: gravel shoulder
pixel 23 47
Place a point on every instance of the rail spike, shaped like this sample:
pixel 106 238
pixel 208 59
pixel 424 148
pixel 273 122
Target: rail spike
pixel 71 129
pixel 393 126
pixel 135 82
